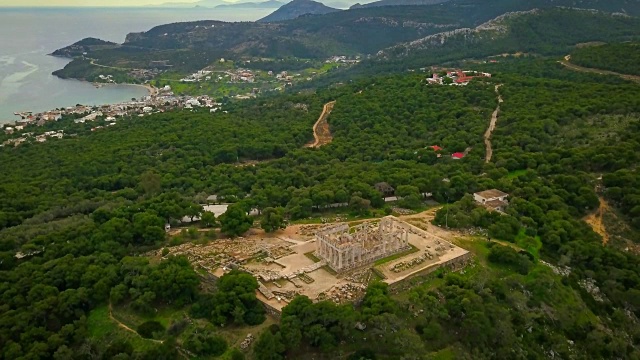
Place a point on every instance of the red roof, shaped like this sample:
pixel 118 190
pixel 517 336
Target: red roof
pixel 436 148
pixel 457 155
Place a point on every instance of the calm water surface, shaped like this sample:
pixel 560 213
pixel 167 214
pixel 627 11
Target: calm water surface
pixel 28 35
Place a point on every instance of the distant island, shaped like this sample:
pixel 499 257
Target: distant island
pixel 270 4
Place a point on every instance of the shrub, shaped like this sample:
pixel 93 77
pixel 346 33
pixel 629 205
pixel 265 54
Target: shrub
pixel 150 329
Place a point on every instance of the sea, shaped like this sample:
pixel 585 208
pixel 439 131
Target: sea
pixel 28 35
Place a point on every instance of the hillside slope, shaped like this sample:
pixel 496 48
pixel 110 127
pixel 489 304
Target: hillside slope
pixel 194 45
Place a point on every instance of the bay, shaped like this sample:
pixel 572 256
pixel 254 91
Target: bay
pixel 29 34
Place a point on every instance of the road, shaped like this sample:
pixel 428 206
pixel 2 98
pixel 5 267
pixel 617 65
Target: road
pixel 492 126
pixel 321 131
pixel 566 62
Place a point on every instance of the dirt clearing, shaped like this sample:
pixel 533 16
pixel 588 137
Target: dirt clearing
pixel 596 222
pixel 321 131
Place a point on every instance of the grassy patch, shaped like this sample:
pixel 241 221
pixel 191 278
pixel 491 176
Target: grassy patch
pixel 332 214
pixel 444 354
pixel 514 174
pixel 397 256
pixel 530 244
pixel 103 328
pixel 313 258
pixel 377 274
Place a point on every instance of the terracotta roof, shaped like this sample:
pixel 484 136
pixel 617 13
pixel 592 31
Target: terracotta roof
pixel 490 194
pixel 457 155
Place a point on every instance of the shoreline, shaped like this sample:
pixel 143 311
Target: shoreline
pixel 151 90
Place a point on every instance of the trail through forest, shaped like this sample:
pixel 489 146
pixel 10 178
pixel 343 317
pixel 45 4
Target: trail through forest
pixel 321 131
pixel 125 327
pixel 492 126
pixel 596 221
pixel 566 62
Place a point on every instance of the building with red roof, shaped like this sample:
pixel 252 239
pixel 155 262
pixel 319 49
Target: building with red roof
pixel 457 155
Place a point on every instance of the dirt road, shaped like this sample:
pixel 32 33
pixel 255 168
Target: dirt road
pixel 492 126
pixel 321 131
pixel 566 62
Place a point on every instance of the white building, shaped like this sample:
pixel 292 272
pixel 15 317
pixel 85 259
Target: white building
pixel 493 199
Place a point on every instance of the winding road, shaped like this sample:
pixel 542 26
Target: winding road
pixel 492 126
pixel 566 62
pixel 321 132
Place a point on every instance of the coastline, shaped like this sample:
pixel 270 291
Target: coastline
pixel 150 89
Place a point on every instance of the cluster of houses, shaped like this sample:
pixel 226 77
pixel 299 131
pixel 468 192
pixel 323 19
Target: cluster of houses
pixel 38 138
pixel 342 59
pixel 456 77
pixel 438 149
pixel 163 100
pixel 197 76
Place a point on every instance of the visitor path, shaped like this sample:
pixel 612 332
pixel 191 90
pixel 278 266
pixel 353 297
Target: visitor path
pixel 492 126
pixel 321 131
pixel 125 327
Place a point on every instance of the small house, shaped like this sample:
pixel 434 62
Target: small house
pixel 492 199
pixel 385 189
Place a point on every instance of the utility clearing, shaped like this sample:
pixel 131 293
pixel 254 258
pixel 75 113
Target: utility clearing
pixel 596 222
pixel 492 126
pixel 321 132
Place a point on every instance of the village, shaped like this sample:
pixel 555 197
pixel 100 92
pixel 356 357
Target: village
pixel 455 77
pixel 160 100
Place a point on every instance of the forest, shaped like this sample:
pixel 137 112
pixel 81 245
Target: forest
pixel 79 216
pixel 621 58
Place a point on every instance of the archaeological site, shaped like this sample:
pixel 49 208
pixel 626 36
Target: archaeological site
pixel 328 262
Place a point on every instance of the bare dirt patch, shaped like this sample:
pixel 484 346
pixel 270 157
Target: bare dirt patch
pixel 596 222
pixel 321 132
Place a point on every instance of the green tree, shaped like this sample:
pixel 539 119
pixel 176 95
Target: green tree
pixel 235 221
pixel 150 182
pixel 208 219
pixel 151 329
pixel 269 347
pixel 272 219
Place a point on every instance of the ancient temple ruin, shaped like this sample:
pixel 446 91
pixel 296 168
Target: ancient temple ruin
pixel 347 248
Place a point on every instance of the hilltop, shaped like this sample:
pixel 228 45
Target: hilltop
pixel 298 8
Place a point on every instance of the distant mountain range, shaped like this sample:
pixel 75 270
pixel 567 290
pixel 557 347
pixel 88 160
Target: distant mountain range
pixel 260 4
pixel 397 3
pixel 270 4
pixel 298 8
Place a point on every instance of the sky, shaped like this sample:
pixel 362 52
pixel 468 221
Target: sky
pixel 89 2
